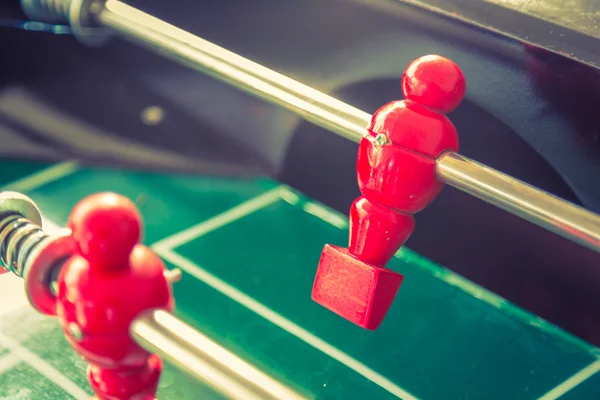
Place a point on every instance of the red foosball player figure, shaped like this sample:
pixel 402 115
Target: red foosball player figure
pixel 108 282
pixel 396 176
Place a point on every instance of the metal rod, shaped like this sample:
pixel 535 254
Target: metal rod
pixel 521 199
pixel 510 194
pixel 199 54
pixel 164 334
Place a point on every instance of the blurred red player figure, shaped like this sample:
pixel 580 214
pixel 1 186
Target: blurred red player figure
pixel 108 282
pixel 396 176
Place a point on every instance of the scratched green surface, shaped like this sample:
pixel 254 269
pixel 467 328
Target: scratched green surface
pixel 247 281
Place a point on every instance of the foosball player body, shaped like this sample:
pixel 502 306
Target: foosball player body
pixel 396 176
pixel 102 288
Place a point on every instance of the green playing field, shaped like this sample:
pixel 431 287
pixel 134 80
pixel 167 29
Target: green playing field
pixel 249 250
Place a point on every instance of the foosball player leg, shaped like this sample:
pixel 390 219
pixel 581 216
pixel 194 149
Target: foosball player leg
pixel 126 383
pixel 396 176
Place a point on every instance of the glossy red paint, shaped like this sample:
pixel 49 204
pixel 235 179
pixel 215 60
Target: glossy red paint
pixel 103 305
pixel 119 384
pixel 434 81
pixel 105 227
pixel 360 292
pixel 396 176
pixel 377 232
pixel 415 127
pixel 103 288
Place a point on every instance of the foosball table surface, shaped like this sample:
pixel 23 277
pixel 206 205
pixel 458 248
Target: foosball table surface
pixel 248 250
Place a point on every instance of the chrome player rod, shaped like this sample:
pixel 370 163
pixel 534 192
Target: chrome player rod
pixel 539 207
pixel 164 334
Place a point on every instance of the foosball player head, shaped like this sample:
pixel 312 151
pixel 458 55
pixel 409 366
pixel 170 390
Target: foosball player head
pixel 396 161
pixel 103 287
pixel 435 82
pixel 396 175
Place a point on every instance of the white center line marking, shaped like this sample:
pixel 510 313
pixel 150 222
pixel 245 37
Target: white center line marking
pixel 324 214
pixel 282 322
pixel 572 382
pixel 42 177
pixel 44 368
pixel 220 220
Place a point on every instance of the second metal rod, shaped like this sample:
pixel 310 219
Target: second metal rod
pixel 494 187
pixel 164 334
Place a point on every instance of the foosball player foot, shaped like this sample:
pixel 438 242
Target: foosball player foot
pixel 360 292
